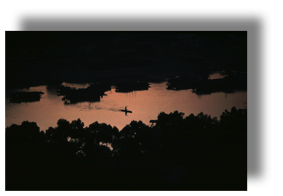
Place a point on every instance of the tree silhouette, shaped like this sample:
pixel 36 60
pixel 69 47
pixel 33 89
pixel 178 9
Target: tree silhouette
pixel 51 135
pixel 169 122
pixel 201 125
pixel 96 151
pixel 134 139
pixel 128 148
pixel 60 133
pixel 96 137
pixel 234 122
pixel 77 129
pixel 211 153
pixel 23 139
pixel 170 129
pixel 103 132
pixel 26 131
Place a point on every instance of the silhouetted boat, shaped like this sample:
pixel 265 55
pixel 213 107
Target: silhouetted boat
pixel 127 111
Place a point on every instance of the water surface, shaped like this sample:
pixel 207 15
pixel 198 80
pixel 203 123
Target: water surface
pixel 146 105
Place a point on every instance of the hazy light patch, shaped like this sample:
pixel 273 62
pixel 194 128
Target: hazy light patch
pixel 106 144
pixel 216 75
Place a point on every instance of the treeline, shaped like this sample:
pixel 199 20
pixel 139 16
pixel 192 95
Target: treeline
pixel 176 153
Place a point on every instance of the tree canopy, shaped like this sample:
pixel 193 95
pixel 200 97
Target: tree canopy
pixel 134 158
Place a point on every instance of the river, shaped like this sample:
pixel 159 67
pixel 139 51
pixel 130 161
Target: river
pixel 145 105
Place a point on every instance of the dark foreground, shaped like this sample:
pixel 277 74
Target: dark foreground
pixel 176 153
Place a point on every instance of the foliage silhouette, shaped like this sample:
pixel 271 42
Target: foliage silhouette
pixel 234 122
pixel 60 133
pixel 178 153
pixel 103 132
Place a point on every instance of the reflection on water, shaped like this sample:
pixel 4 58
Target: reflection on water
pixel 216 75
pixel 145 105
